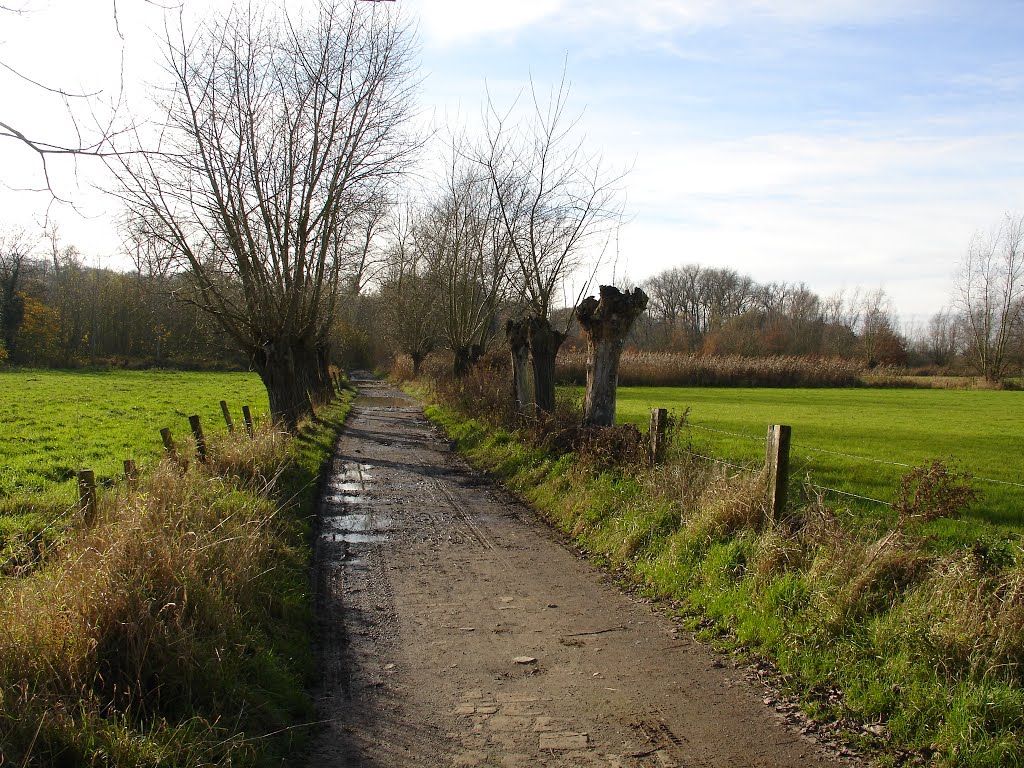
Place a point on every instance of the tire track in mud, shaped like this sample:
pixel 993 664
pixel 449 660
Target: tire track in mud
pixel 456 630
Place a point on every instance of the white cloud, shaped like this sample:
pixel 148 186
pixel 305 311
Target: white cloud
pixel 832 211
pixel 447 22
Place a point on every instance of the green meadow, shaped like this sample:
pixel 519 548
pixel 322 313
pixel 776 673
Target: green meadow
pixel 54 423
pixel 980 431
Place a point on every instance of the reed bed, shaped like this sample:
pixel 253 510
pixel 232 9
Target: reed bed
pixel 674 369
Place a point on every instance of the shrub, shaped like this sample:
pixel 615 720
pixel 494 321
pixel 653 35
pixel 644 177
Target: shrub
pixel 932 491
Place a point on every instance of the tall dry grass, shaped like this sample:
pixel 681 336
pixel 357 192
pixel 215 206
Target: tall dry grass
pixel 148 638
pixel 675 369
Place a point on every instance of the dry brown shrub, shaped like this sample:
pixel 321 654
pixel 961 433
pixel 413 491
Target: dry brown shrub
pixel 601 448
pixel 1008 621
pixel 727 503
pixel 401 368
pixel 933 491
pixel 485 391
pixel 245 459
pixel 681 480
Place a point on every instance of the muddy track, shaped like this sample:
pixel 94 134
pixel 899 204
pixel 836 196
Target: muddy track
pixel 456 630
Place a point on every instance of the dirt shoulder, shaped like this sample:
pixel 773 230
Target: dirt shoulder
pixel 457 630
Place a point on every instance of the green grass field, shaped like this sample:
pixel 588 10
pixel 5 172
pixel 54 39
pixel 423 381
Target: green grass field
pixel 980 430
pixel 55 423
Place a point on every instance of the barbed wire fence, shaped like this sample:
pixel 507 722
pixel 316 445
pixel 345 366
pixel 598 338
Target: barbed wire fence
pixel 85 504
pixel 805 469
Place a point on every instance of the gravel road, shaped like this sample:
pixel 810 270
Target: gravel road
pixel 456 629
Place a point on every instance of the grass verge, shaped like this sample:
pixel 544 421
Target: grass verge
pixel 176 630
pixel 916 655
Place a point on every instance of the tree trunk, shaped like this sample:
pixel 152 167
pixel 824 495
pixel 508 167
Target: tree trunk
pixel 522 394
pixel 606 324
pixel 322 388
pixel 544 343
pixel 288 368
pixel 466 358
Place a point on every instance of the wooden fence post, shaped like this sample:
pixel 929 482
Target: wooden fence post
pixel 247 416
pixel 197 431
pixel 87 495
pixel 777 468
pixel 131 475
pixel 169 447
pixel 659 419
pixel 227 415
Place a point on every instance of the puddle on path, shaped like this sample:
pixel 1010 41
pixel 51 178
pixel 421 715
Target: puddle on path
pixel 345 499
pixel 354 538
pixel 349 487
pixel 380 401
pixel 344 491
pixel 346 486
pixel 358 523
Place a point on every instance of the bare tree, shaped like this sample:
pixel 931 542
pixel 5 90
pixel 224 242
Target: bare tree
pixel 943 337
pixel 606 322
pixel 282 135
pixel 874 322
pixel 408 295
pixel 670 294
pixel 990 295
pixel 468 249
pixel 90 129
pixel 555 200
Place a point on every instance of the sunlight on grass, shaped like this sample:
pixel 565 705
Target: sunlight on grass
pixel 978 429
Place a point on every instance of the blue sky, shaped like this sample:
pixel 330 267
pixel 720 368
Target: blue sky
pixel 838 143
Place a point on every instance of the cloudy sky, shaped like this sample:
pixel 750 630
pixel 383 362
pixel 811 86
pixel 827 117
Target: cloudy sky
pixel 835 142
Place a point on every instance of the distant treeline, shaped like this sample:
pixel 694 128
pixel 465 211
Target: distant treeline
pixel 57 311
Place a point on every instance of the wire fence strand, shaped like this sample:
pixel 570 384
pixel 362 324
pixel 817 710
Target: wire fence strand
pixel 806 466
pixel 847 493
pixel 716 460
pixel 851 456
pixel 724 432
pixel 76 507
pixel 843 454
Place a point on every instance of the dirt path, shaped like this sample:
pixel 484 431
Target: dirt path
pixel 457 631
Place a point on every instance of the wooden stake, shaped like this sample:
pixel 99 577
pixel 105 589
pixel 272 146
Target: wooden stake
pixel 131 474
pixel 227 415
pixel 169 447
pixel 777 468
pixel 659 420
pixel 197 432
pixel 247 416
pixel 87 495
